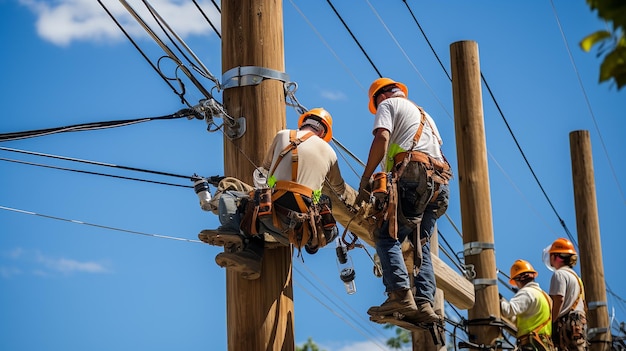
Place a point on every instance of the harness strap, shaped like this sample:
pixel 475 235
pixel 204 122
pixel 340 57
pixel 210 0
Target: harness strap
pixel 424 158
pixel 536 330
pixel 293 148
pixel 581 295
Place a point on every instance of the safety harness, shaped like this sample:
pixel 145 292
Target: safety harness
pixel 310 223
pixel 568 320
pixel 387 205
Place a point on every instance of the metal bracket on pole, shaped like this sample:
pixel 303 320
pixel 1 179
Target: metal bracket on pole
pixel 237 130
pixel 595 304
pixel 250 75
pixel 476 247
pixel 469 272
pixel 233 127
pixel 483 283
pixel 592 332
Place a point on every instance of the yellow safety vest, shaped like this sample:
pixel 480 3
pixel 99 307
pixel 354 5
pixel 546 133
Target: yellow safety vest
pixel 540 323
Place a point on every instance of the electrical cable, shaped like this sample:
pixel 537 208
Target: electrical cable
pixel 93 173
pixel 588 103
pixel 350 313
pixel 336 313
pixel 92 126
pixel 166 30
pixel 166 49
pixel 532 171
pixel 207 17
pixel 354 38
pixel 156 69
pixel 98 225
pixel 319 35
pixel 103 164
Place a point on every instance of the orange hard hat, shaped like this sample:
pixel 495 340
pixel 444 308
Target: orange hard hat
pixel 562 246
pixel 379 84
pixel 520 267
pixel 323 117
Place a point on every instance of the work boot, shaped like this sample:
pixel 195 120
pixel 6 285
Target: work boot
pixel 232 241
pixel 246 262
pixel 424 314
pixel 400 301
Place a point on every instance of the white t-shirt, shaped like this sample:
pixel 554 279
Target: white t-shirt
pixel 401 117
pixel 316 161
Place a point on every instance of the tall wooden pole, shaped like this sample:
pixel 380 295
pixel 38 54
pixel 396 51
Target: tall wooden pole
pixel 587 225
pixel 475 198
pixel 260 314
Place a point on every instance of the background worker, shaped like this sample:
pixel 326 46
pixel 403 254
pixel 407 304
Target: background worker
pixel 404 134
pixel 530 308
pixel 567 291
pixel 300 162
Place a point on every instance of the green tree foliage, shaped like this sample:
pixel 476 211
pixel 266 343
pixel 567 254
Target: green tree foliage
pixel 402 338
pixel 611 44
pixel 310 345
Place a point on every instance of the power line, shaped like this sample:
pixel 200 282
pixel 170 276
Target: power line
pixel 584 92
pixel 93 173
pixel 211 179
pixel 354 38
pixel 181 95
pixel 207 17
pixel 97 225
pixel 186 112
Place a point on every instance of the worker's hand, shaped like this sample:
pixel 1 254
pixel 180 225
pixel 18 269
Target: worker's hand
pixel 365 189
pixel 349 196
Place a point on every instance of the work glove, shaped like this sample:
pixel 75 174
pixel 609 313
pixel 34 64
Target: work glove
pixel 349 196
pixel 365 189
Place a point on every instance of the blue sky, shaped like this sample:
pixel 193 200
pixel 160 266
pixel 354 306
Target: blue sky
pixel 71 281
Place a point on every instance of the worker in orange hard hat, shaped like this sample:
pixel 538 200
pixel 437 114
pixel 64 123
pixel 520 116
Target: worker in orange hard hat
pixel 568 293
pixel 288 200
pixel 530 308
pixel 407 142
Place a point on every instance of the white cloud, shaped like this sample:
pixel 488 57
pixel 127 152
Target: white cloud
pixel 41 265
pixel 333 95
pixel 64 21
pixel 361 346
pixel 8 272
pixel 67 266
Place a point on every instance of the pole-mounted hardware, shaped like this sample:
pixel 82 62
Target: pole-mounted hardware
pixel 476 247
pixel 250 75
pixel 245 76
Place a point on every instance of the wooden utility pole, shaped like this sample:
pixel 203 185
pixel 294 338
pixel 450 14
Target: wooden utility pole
pixel 260 314
pixel 587 225
pixel 475 198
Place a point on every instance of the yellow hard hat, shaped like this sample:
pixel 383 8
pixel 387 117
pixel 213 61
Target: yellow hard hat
pixel 323 117
pixel 379 84
pixel 520 267
pixel 562 246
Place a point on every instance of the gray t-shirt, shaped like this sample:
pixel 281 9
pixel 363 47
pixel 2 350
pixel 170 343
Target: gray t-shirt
pixel 565 282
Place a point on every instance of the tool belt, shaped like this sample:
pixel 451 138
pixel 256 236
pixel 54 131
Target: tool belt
pixel 438 170
pixel 311 224
pixel 534 341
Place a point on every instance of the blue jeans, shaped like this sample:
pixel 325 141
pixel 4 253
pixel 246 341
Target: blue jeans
pixel 395 274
